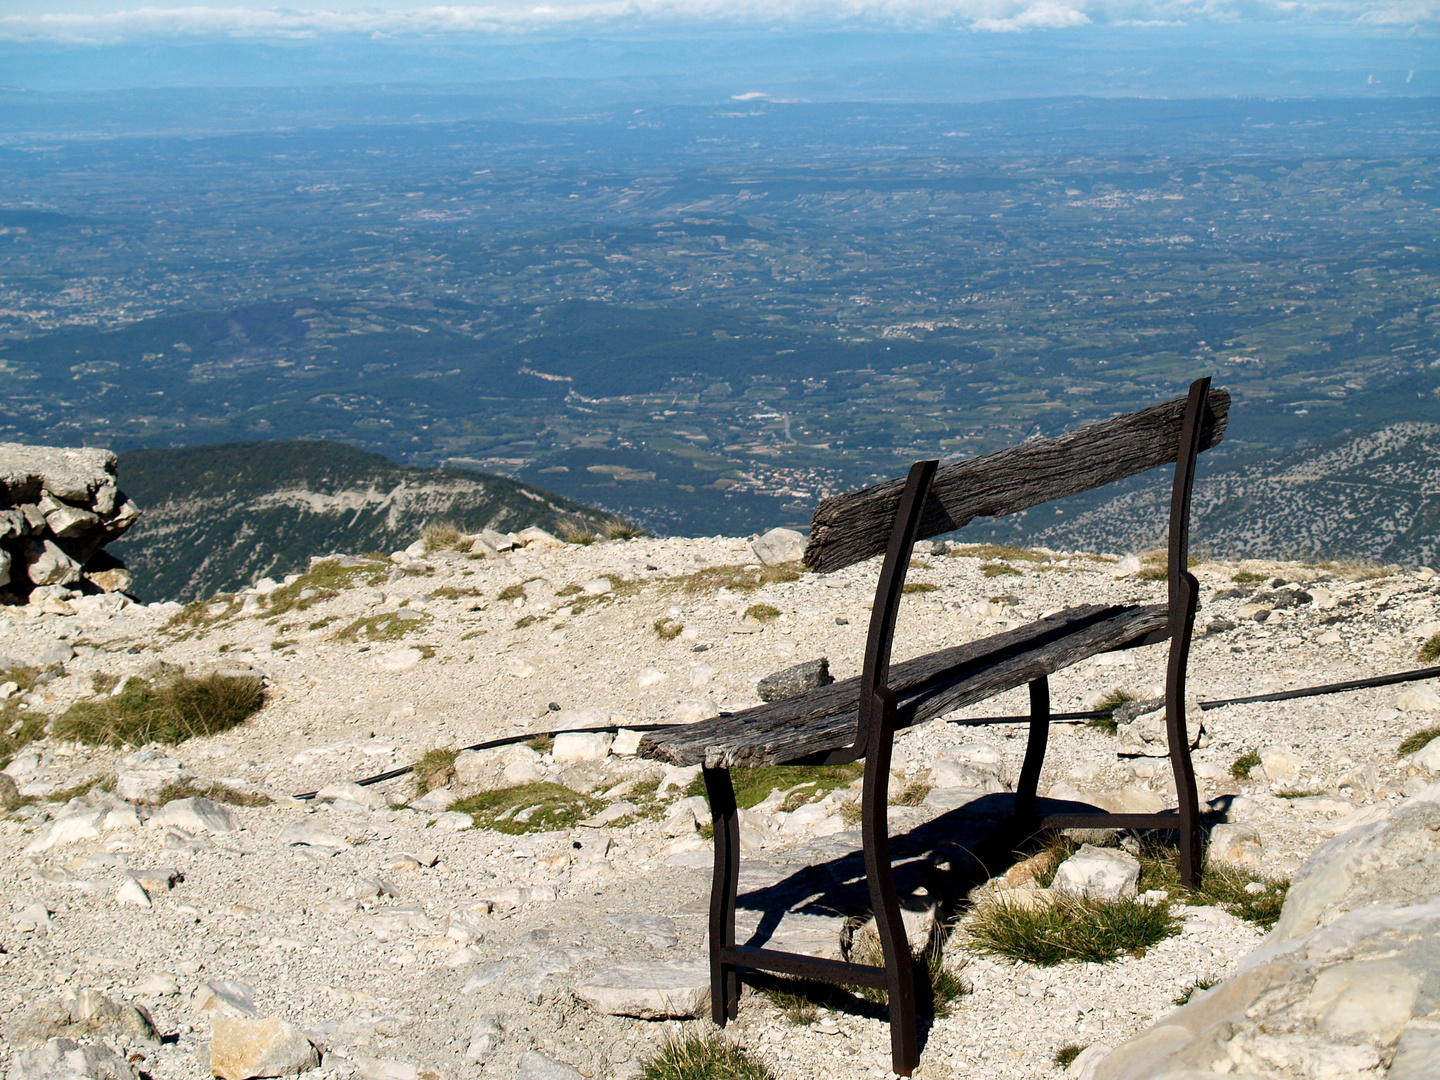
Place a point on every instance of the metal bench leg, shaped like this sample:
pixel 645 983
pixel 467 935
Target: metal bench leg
pixel 1034 750
pixel 724 981
pixel 874 830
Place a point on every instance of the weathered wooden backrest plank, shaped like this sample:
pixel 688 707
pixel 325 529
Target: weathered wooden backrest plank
pixel 847 529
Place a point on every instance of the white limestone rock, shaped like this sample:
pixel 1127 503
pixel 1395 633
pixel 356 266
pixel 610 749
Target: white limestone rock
pixel 650 991
pixel 1236 845
pixel 243 1049
pixel 582 746
pixel 195 816
pixel 779 546
pixel 1098 874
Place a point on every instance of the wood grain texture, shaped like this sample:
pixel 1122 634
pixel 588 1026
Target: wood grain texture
pixel 927 686
pixel 847 529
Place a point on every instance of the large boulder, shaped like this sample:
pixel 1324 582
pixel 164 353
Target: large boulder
pixel 1345 985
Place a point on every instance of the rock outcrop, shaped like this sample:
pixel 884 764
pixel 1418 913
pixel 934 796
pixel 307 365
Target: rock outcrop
pixel 1347 985
pixel 59 507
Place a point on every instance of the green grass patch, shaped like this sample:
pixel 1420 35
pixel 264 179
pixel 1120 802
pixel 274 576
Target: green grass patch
pixel 753 786
pixel 386 626
pixel 168 710
pixel 1067 1054
pixel 457 592
pixel 19 727
pixel 998 570
pixel 920 587
pixel 1068 928
pixel 322 581
pixel 1241 766
pixel 200 615
pixel 1248 577
pixel 435 769
pixel 214 792
pixel 541 807
pixel 1417 741
pixel 703 1057
pixel 542 744
pixel 736 578
pixel 1430 651
pixel 1190 991
pixel 997 552
pixel 1221 886
pixel 762 612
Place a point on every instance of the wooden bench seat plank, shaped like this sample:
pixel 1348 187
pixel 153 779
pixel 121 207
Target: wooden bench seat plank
pixel 847 529
pixel 927 686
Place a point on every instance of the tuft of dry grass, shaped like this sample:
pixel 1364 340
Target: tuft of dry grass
pixel 762 612
pixel 1417 741
pixel 214 792
pixel 668 629
pixel 435 769
pixel 19 726
pixel 170 710
pixel 920 587
pixel 442 534
pixel 997 553
pixel 736 578
pixel 1430 651
pixel 1067 1054
pixel 913 795
pixel 753 786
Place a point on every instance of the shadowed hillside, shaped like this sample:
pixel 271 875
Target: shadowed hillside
pixel 217 517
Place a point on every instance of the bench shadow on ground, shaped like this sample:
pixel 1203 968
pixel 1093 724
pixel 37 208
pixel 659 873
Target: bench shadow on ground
pixel 937 864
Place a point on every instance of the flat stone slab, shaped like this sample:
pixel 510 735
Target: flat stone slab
pixel 652 991
pixel 657 930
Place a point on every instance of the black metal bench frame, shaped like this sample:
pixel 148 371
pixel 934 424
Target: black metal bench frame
pixel 943 681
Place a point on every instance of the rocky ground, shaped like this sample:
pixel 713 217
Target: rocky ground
pixel 404 940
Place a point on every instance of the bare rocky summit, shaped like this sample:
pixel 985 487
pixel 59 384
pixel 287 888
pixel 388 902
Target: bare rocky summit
pixel 539 909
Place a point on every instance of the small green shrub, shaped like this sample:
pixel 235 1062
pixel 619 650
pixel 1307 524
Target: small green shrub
pixel 1417 741
pixel 703 1057
pixel 668 629
pixel 945 985
pixel 581 533
pixel 1430 651
pixel 169 711
pixel 1241 766
pixel 541 807
pixel 542 744
pixel 762 612
pixel 1067 1054
pixel 435 769
pixel 1068 928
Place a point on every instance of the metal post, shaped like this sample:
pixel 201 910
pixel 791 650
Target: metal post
pixel 1034 751
pixel 724 981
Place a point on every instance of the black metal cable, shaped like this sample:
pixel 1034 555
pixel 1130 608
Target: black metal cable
pixel 1071 717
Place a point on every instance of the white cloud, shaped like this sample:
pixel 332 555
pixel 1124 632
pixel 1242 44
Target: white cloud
pixel 109 21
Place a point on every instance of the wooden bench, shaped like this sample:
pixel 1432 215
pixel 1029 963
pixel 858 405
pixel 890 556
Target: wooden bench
pixel 858 718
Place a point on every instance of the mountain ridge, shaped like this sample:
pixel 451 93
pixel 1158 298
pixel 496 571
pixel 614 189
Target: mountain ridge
pixel 216 517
